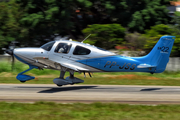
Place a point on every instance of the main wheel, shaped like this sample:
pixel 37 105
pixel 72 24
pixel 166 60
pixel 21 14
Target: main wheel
pixel 23 81
pixel 58 85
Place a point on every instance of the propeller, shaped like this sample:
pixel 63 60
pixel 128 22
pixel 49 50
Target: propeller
pixel 10 52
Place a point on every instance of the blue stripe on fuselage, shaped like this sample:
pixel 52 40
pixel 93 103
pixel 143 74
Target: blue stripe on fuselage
pixel 116 64
pixel 23 61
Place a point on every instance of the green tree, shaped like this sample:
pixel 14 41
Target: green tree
pixel 176 22
pixel 153 35
pixel 10 28
pixel 136 15
pixel 150 13
pixel 37 21
pixel 135 41
pixel 105 35
pixel 45 19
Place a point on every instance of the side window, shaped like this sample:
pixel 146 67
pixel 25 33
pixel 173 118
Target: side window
pixel 48 46
pixel 81 51
pixel 63 48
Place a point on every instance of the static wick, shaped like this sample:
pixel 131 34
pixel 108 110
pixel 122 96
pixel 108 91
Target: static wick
pixel 86 38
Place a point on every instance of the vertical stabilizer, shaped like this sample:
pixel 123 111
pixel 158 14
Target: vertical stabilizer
pixel 159 55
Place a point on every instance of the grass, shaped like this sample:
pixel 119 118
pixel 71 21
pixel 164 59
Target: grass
pixel 134 80
pixel 94 111
pixel 118 78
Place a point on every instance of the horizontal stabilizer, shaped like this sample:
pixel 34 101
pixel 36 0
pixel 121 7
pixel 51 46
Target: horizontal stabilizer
pixel 145 66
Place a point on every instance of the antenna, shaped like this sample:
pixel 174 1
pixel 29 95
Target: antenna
pixel 86 38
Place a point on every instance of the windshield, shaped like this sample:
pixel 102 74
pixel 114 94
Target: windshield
pixel 48 45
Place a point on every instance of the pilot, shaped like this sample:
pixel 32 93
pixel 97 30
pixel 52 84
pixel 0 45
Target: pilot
pixel 63 49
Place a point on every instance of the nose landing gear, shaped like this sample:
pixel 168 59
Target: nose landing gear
pixel 23 78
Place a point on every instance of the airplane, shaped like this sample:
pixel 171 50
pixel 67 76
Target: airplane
pixel 71 56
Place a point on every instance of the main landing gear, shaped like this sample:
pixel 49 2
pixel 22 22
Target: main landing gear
pixel 69 80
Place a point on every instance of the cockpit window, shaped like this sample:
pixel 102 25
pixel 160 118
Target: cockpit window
pixel 79 50
pixel 48 45
pixel 63 48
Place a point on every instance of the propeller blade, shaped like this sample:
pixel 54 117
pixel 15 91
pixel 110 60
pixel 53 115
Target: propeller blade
pixel 12 63
pixel 10 52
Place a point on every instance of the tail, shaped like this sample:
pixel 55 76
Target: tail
pixel 159 55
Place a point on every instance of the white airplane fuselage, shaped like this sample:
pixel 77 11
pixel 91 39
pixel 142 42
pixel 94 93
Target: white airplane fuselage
pixel 50 60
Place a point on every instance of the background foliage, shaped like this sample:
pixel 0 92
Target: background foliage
pixel 35 22
pixel 105 35
pixel 152 36
pixel 10 29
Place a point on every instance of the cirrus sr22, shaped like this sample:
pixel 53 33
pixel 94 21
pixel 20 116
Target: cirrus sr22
pixel 71 56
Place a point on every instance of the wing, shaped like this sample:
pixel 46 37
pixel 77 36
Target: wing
pixel 75 66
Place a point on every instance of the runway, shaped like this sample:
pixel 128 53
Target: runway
pixel 90 93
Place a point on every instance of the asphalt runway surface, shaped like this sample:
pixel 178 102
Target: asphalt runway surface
pixel 90 93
